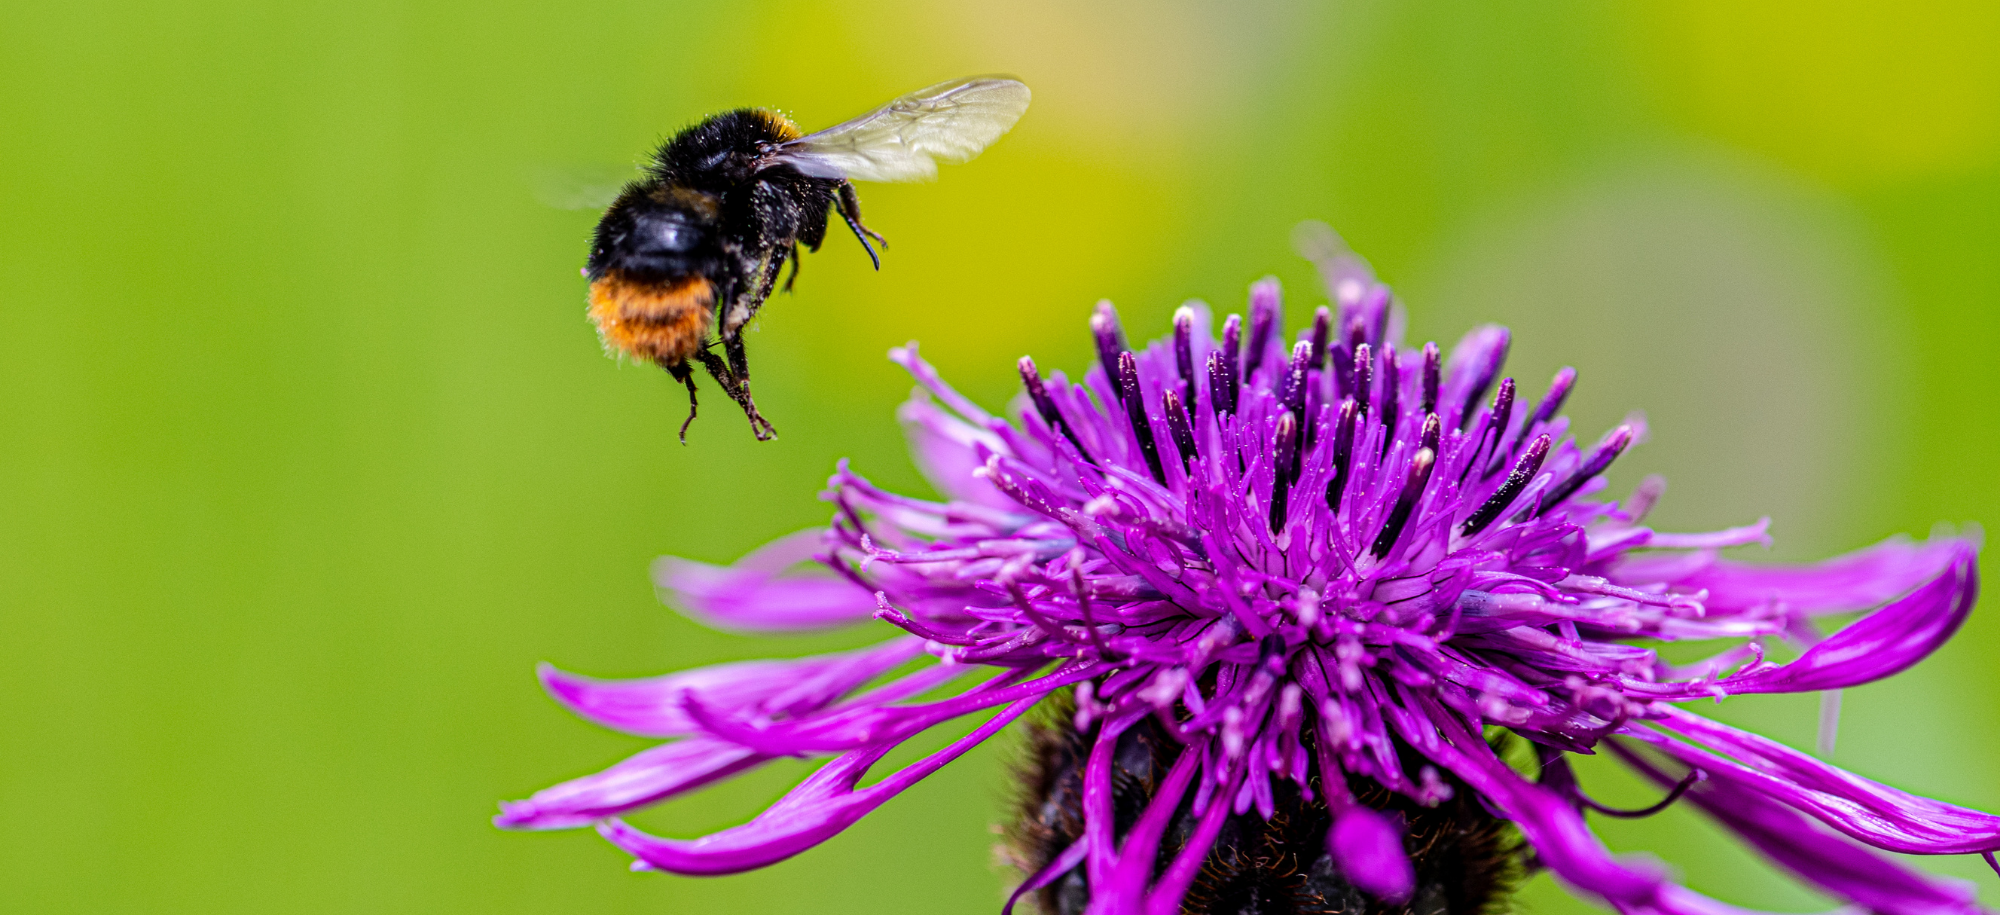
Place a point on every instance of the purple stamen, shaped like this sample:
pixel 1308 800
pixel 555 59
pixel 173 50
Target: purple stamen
pixel 1413 488
pixel 1613 445
pixel 1392 384
pixel 1263 320
pixel 1285 452
pixel 1342 360
pixel 1184 350
pixel 1135 408
pixel 1432 431
pixel 1232 355
pixel 1293 394
pixel 1322 332
pixel 1343 453
pixel 1432 368
pixel 1364 375
pixel 1552 403
pixel 1181 428
pixel 1524 471
pixel 1221 387
pixel 1503 411
pixel 1045 406
pixel 1110 341
pixel 1496 431
pixel 1083 609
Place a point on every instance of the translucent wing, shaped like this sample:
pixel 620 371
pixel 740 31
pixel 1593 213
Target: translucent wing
pixel 903 140
pixel 579 187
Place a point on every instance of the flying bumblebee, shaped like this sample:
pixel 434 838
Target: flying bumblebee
pixel 696 245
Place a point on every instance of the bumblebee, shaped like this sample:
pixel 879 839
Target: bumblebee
pixel 695 247
pixel 1467 861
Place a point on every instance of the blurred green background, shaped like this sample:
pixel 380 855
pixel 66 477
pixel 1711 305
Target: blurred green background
pixel 307 454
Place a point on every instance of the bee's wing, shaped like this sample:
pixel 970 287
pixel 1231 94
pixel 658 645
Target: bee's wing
pixel 902 140
pixel 579 187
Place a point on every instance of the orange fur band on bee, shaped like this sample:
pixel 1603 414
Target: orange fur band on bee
pixel 664 323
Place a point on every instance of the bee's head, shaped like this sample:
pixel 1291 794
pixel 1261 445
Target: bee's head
pixel 656 237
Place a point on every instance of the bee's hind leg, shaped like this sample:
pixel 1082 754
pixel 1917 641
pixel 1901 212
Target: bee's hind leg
pixel 849 206
pixel 734 378
pixel 684 374
pixel 794 255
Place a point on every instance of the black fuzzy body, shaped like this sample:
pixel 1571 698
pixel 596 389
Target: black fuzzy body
pixel 1467 861
pixel 697 246
pixel 738 217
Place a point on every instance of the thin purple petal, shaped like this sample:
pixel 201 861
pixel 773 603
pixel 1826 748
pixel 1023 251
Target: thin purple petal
pixel 658 706
pixel 760 594
pixel 647 777
pixel 818 809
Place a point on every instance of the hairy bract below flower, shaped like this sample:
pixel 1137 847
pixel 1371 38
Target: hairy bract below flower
pixel 1328 570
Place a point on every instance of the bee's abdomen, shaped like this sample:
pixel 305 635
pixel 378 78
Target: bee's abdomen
pixel 655 322
pixel 1466 860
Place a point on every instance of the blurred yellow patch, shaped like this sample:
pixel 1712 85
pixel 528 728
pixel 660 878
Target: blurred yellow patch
pixel 1848 91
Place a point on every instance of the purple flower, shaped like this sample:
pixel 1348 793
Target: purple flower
pixel 1342 556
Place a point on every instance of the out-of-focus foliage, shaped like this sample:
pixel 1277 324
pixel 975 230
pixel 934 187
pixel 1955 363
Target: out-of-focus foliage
pixel 307 453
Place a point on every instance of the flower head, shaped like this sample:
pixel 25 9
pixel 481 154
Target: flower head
pixel 1331 569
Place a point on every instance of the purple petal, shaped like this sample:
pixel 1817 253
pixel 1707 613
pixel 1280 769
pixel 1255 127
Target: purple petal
pixel 1862 579
pixel 755 594
pixel 864 725
pixel 1125 891
pixel 657 706
pixel 1831 862
pixel 926 375
pixel 1369 849
pixel 1679 900
pixel 1875 646
pixel 644 778
pixel 1173 883
pixel 1060 865
pixel 1867 810
pixel 946 450
pixel 818 809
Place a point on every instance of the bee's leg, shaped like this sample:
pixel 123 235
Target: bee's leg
pixel 738 389
pixel 849 206
pixel 743 308
pixel 739 366
pixel 739 360
pixel 684 374
pixel 738 309
pixel 794 255
pixel 773 267
pixel 734 375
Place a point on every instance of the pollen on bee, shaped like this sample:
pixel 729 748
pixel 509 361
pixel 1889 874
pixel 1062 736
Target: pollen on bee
pixel 779 124
pixel 653 322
